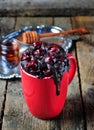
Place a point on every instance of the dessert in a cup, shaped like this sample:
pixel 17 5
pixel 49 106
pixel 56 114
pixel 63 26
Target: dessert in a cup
pixel 45 60
pixel 45 70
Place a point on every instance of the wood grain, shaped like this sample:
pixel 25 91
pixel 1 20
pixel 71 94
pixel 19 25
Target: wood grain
pixel 85 54
pixel 6 26
pixel 3 84
pixel 16 115
pixel 72 116
pixel 46 8
pixel 32 21
pixel 63 22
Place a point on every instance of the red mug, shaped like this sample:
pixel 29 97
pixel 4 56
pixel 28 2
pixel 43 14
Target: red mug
pixel 40 94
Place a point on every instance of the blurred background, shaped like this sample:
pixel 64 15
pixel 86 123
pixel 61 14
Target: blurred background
pixel 46 7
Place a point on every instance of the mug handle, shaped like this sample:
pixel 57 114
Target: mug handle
pixel 73 66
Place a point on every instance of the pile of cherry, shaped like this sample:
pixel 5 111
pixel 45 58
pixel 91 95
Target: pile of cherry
pixel 43 59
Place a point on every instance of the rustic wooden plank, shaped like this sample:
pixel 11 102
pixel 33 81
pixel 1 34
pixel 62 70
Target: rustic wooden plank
pixel 84 21
pixel 86 65
pixel 46 8
pixel 71 117
pixel 63 22
pixel 85 54
pixel 32 21
pixel 88 23
pixel 15 115
pixel 5 28
pixel 6 25
pixel 3 84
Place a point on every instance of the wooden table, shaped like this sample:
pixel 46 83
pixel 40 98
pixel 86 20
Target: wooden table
pixel 78 112
pixel 46 8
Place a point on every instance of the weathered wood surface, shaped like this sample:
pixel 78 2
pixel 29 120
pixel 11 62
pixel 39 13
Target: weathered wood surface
pixel 5 28
pixel 2 99
pixel 78 112
pixel 46 7
pixel 6 25
pixel 85 54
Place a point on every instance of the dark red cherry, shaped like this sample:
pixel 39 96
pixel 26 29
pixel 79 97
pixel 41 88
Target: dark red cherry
pixel 32 64
pixel 48 59
pixel 62 59
pixel 47 72
pixel 25 56
pixel 37 52
pixel 37 44
pixel 54 48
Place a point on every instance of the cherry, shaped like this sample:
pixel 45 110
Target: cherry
pixel 37 44
pixel 32 64
pixel 48 59
pixel 25 56
pixel 37 52
pixel 47 73
pixel 62 59
pixel 54 48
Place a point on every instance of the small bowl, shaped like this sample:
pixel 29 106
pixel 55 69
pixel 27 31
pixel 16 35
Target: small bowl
pixel 64 41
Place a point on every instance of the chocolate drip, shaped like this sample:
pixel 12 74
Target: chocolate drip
pixel 56 80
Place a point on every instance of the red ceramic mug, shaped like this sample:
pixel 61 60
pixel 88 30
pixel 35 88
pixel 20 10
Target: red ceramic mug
pixel 40 94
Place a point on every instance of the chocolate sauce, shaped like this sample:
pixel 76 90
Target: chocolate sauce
pixel 56 80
